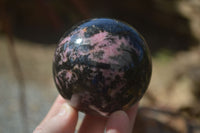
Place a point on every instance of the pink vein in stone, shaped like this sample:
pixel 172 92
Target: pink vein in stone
pixel 79 67
pixel 66 39
pixel 63 55
pixel 110 49
pixel 69 76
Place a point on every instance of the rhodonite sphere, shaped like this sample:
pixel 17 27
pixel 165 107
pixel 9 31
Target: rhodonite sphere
pixel 102 65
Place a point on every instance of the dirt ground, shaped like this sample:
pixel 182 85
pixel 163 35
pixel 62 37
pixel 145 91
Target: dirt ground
pixel 171 104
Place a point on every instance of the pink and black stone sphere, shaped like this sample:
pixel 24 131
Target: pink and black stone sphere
pixel 102 65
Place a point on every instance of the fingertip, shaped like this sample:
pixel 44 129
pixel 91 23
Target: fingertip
pixel 132 112
pixel 64 121
pixel 67 118
pixel 54 109
pixel 118 123
pixel 60 99
pixel 93 123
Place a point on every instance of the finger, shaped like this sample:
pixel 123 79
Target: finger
pixel 93 124
pixel 64 121
pixel 118 123
pixel 132 112
pixel 122 122
pixel 55 108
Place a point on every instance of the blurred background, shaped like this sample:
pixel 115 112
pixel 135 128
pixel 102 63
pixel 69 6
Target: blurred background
pixel 30 30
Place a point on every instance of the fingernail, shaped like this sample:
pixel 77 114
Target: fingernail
pixel 63 109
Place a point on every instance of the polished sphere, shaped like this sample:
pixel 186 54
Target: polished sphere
pixel 102 65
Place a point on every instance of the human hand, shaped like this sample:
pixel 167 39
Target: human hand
pixel 62 118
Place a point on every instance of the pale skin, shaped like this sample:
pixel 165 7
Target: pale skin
pixel 62 118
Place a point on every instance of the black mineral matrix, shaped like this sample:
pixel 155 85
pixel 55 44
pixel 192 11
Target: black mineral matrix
pixel 102 65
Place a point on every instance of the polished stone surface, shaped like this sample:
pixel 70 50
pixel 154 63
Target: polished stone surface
pixel 102 65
